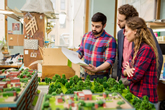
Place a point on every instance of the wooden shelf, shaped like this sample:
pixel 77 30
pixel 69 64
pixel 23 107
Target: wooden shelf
pixel 161 42
pixel 156 25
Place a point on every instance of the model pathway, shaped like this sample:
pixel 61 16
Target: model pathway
pixel 44 90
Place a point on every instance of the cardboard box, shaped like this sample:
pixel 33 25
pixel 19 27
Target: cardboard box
pixel 55 62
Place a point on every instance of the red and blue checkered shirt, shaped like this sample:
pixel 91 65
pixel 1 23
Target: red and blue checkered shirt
pixel 97 50
pixel 144 79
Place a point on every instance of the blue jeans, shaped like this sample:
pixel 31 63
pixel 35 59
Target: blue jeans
pixel 156 105
pixel 96 76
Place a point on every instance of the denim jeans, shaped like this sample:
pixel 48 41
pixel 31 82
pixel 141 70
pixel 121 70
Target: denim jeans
pixel 156 105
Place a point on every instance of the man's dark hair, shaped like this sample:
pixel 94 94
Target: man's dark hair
pixel 99 17
pixel 128 11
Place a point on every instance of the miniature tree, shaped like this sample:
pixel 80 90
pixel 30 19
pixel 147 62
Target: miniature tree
pixel 56 77
pixel 136 100
pixel 92 91
pixel 46 80
pixel 54 94
pixel 105 79
pixel 87 83
pixel 59 90
pixel 145 104
pixel 49 80
pixel 120 82
pixel 137 106
pixel 70 108
pixel 39 80
pixel 96 87
pixel 63 76
pixel 48 97
pixel 111 82
pixel 114 88
pixel 69 91
pixel 81 102
pixel 88 77
pixel 63 98
pixel 105 85
pixel 46 104
pixel 100 88
pixel 89 105
pixel 76 97
pixel 80 85
pixel 67 85
pixel 71 80
pixel 80 79
pixel 145 97
pixel 100 102
pixel 114 94
pixel 101 81
pixel 75 79
pixel 63 81
pixel 3 70
pixel 65 108
pixel 128 96
pixel 21 76
pixel 120 103
pixel 128 90
pixel 28 75
pixel 33 72
pixel 98 79
pixel 106 92
pixel 22 69
pixel 94 80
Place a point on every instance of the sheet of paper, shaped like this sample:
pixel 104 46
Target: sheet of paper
pixel 73 56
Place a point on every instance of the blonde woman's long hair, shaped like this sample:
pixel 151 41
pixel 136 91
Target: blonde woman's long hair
pixel 143 34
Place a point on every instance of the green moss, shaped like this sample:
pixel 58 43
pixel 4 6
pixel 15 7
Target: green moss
pixel 38 91
pixel 43 83
pixel 35 100
pixel 53 104
pixel 2 99
pixel 64 89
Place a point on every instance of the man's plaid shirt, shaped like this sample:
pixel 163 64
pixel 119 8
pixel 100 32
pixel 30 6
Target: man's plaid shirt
pixel 97 50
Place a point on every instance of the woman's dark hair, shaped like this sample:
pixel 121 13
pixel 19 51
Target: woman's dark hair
pixel 99 17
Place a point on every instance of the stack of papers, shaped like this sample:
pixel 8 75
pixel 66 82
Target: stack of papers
pixel 73 56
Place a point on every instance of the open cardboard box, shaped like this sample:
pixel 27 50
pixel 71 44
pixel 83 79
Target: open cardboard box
pixel 55 62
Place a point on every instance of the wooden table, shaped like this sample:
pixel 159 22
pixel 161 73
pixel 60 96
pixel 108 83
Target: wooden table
pixel 10 66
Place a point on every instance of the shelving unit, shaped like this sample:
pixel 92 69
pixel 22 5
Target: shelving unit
pixel 157 27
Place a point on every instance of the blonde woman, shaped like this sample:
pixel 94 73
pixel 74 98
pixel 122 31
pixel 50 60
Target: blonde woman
pixel 141 70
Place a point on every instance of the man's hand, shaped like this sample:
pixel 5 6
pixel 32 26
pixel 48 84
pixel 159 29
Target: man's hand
pixel 90 69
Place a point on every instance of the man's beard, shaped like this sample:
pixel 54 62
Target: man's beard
pixel 96 33
pixel 121 27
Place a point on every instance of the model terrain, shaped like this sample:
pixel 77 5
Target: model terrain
pixel 103 93
pixel 17 87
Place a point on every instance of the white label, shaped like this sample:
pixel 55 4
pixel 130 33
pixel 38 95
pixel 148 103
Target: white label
pixel 26 52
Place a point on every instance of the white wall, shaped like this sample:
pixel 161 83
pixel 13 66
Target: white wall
pixel 162 9
pixel 2 21
pixel 142 6
pixel 106 7
pixel 74 10
pixel 79 21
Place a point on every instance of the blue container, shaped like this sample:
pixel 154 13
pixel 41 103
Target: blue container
pixel 164 72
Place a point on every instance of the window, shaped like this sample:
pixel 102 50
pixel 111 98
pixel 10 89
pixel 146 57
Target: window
pixel 62 4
